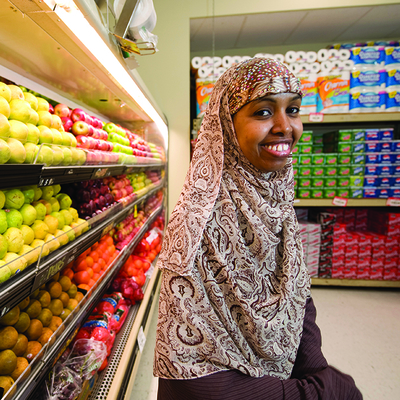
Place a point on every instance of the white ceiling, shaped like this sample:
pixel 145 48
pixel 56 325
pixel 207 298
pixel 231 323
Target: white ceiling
pixel 336 25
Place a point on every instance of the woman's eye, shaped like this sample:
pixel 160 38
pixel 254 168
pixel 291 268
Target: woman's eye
pixel 263 113
pixel 293 110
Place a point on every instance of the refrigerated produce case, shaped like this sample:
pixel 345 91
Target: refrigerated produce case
pixel 40 52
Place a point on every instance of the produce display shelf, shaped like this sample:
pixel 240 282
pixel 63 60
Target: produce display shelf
pixel 23 284
pixel 115 381
pixel 27 389
pixel 350 203
pixel 349 117
pixel 17 175
pixel 354 283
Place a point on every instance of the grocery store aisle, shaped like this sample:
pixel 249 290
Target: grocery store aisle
pixel 360 335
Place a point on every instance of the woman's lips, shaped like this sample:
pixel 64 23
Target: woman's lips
pixel 278 149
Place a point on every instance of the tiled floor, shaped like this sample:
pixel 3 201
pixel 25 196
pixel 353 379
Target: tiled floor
pixel 360 335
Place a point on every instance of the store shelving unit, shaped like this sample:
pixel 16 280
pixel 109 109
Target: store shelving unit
pixel 350 117
pixel 38 50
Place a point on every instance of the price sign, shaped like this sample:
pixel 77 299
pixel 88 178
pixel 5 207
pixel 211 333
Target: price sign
pixel 393 202
pixel 141 339
pixel 316 117
pixel 101 173
pixel 339 201
pixel 107 228
pixel 46 181
pixel 43 276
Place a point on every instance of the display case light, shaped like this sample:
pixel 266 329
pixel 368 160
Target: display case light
pixel 73 18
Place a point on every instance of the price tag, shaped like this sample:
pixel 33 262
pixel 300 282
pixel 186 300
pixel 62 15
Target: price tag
pixel 393 202
pixel 46 182
pixel 141 339
pixel 339 201
pixel 43 277
pixel 135 211
pixel 102 173
pixel 316 117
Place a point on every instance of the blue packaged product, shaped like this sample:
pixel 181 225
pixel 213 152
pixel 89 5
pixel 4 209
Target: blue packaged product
pixel 384 181
pixel 373 147
pixel 394 145
pixel 396 170
pixel 368 77
pixel 392 76
pixel 366 100
pixel 395 181
pixel 371 170
pixel 370 193
pixel 392 55
pixel 372 134
pixel 371 158
pixel 393 101
pixel 386 146
pixel 386 134
pixel 394 192
pixel 372 181
pixel 368 55
pixel 383 193
pixel 388 158
pixel 396 158
pixel 385 170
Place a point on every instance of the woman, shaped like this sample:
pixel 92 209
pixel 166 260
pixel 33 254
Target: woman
pixel 236 320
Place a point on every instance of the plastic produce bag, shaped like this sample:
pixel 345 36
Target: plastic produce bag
pixel 65 384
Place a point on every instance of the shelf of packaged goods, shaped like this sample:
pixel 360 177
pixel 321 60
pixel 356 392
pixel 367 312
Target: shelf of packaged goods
pixel 354 283
pixel 340 118
pixel 350 203
pixel 65 334
pixel 26 282
pixel 117 379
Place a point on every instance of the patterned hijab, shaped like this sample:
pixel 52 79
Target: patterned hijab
pixel 234 282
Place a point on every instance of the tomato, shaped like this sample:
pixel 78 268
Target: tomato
pixel 82 277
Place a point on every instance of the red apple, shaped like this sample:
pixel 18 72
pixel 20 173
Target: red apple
pixel 67 123
pixel 51 109
pixel 80 128
pixel 83 141
pixel 77 115
pixel 62 110
pixel 88 119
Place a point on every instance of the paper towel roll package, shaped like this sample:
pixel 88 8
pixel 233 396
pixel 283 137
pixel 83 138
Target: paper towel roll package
pixel 309 88
pixel 393 76
pixel 392 55
pixel 204 88
pixel 368 55
pixel 393 100
pixel 372 76
pixel 333 93
pixel 364 100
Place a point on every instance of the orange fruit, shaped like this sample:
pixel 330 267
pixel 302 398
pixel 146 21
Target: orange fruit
pixel 22 365
pixel 79 296
pixel 68 272
pixel 82 277
pixel 96 276
pixel 91 283
pixel 32 350
pixel 55 323
pixel 94 255
pixel 54 289
pixel 89 261
pixel 35 330
pixel 90 272
pixel 102 263
pixel 96 267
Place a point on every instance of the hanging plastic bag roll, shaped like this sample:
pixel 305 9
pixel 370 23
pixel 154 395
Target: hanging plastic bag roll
pixel 322 55
pixel 279 57
pixel 311 56
pixel 344 54
pixel 227 61
pixel 291 57
pixel 196 62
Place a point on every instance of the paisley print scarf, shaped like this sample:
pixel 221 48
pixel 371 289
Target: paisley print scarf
pixel 234 283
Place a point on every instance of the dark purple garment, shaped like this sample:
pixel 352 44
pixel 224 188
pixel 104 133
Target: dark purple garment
pixel 312 378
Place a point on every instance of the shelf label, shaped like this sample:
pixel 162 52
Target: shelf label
pixel 135 211
pixel 393 202
pixel 141 339
pixel 316 117
pixel 45 275
pixel 107 229
pixel 339 201
pixel 101 173
pixel 46 181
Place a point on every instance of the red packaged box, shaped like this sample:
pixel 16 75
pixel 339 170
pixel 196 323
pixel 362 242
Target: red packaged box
pixel 391 262
pixel 390 274
pixel 337 272
pixel 364 273
pixel 383 217
pixel 337 261
pixel 339 213
pixel 377 262
pixel 364 262
pixel 364 238
pixel 377 240
pixel 338 229
pixel 350 272
pixel 392 251
pixel 350 262
pixel 362 213
pixel 378 251
pixel 392 241
pixel 352 251
pixel 339 251
pixel 364 251
pixel 351 239
pixel 339 240
pixel 376 273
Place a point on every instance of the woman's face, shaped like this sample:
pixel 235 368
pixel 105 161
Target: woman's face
pixel 268 128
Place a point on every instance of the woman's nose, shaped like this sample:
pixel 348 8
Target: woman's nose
pixel 281 124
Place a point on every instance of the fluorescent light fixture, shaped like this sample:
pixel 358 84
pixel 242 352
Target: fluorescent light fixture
pixel 69 13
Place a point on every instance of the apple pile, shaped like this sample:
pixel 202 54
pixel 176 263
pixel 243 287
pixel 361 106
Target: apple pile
pixel 87 269
pixel 34 221
pixel 140 180
pixel 126 230
pixel 31 133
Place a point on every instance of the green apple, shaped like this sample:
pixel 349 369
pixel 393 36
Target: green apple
pixel 4 126
pixel 14 218
pixel 57 136
pixel 5 272
pixel 5 92
pixel 74 142
pixel 70 232
pixel 39 244
pixel 28 213
pixel 31 151
pixel 58 155
pixel 33 133
pixel 32 100
pixel 38 155
pixel 66 138
pixel 56 122
pixel 16 92
pixel 67 156
pixel 3 221
pixel 60 218
pixel 43 104
pixel 5 152
pixel 30 254
pixel 40 210
pixel 38 193
pixel 14 239
pixel 14 199
pixel 56 189
pixel 55 205
pixel 67 217
pixel 47 193
pixel 15 262
pixel 4 107
pixel 40 229
pixel 74 213
pixel 18 130
pixel 44 118
pixel 46 155
pixel 81 157
pixel 45 136
pixel 49 209
pixel 18 152
pixel 64 200
pixel 2 199
pixel 28 234
pixel 29 194
pixel 34 118
pixel 3 246
pixel 20 110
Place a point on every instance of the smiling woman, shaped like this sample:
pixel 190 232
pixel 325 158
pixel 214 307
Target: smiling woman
pixel 236 318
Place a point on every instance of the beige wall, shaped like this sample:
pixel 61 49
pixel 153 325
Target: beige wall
pixel 166 73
